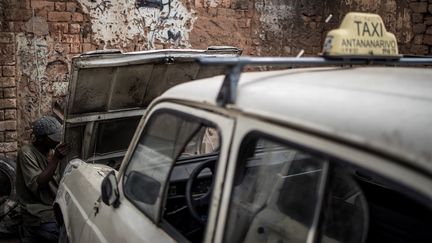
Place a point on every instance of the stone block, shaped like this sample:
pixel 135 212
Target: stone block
pixel 240 4
pixel 2 137
pixel 59 28
pixel 427 39
pixel 418 39
pixel 11 155
pixel 417 18
pixel 419 28
pixel 59 16
pixel 88 47
pixel 244 23
pixel 75 48
pixel 77 17
pixel 7 49
pixel 16 14
pixel 7 103
pixel 71 7
pixel 226 12
pixel 48 5
pixel 75 28
pixel 419 7
pixel 6 37
pixel 225 3
pixel 69 38
pixel 8 71
pixel 8 146
pixel 429 30
pixel 60 6
pixel 8 126
pixel 428 21
pixel 42 8
pixel 199 3
pixel 240 14
pixel 430 8
pixel 9 92
pixel 16 26
pixel 249 13
pixel 62 48
pixel 10 114
pixel 419 49
pixel 10 136
pixel 6 82
pixel 213 12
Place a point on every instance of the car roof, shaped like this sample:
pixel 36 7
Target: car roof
pixel 387 109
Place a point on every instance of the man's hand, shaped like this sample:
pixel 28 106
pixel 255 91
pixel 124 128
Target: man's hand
pixel 53 158
pixel 61 150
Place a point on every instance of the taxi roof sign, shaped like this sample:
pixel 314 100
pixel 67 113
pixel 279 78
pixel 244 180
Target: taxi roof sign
pixel 361 35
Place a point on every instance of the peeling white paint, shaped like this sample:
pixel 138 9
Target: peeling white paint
pixel 59 88
pixel 118 23
pixel 213 3
pixel 271 15
pixel 33 84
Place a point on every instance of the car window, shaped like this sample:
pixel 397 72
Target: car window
pixel 205 141
pixel 345 215
pixel 114 135
pixel 275 193
pixel 164 137
pixel 191 183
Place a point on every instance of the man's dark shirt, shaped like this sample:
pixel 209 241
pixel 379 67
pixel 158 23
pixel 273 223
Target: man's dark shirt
pixel 36 202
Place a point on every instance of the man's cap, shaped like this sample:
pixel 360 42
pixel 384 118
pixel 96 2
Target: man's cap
pixel 49 126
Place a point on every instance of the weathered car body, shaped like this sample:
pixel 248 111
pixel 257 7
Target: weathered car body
pixel 109 91
pixel 332 154
pixel 365 116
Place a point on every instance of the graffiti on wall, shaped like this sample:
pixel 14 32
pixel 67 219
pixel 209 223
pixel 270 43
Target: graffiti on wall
pixel 119 23
pixel 32 59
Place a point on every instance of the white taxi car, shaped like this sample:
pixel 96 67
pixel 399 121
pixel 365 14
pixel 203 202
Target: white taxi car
pixel 338 153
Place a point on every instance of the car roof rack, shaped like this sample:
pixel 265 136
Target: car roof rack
pixel 228 91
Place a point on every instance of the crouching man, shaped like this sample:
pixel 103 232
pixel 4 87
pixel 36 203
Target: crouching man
pixel 37 178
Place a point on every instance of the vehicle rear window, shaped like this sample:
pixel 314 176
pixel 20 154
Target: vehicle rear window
pixel 275 193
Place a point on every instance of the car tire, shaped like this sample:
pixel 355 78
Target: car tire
pixel 7 178
pixel 9 216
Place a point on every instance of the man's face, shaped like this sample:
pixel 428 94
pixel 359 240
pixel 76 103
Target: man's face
pixel 50 143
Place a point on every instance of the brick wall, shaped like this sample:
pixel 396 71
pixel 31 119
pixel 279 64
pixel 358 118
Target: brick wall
pixel 8 101
pixel 39 38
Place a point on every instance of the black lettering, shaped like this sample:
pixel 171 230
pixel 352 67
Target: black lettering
pixel 358 27
pixel 381 29
pixel 366 29
pixel 375 29
pixel 347 42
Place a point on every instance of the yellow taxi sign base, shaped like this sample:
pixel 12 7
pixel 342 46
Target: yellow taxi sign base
pixel 361 35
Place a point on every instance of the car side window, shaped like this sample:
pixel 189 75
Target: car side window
pixel 166 135
pixel 275 192
pixel 205 141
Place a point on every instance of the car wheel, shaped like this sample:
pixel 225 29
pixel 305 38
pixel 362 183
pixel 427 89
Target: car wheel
pixel 63 238
pixel 7 178
pixel 9 215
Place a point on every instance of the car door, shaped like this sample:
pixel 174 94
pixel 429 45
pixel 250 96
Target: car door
pixel 287 185
pixel 144 177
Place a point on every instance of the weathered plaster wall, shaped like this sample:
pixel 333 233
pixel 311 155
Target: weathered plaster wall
pixel 143 23
pixel 38 38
